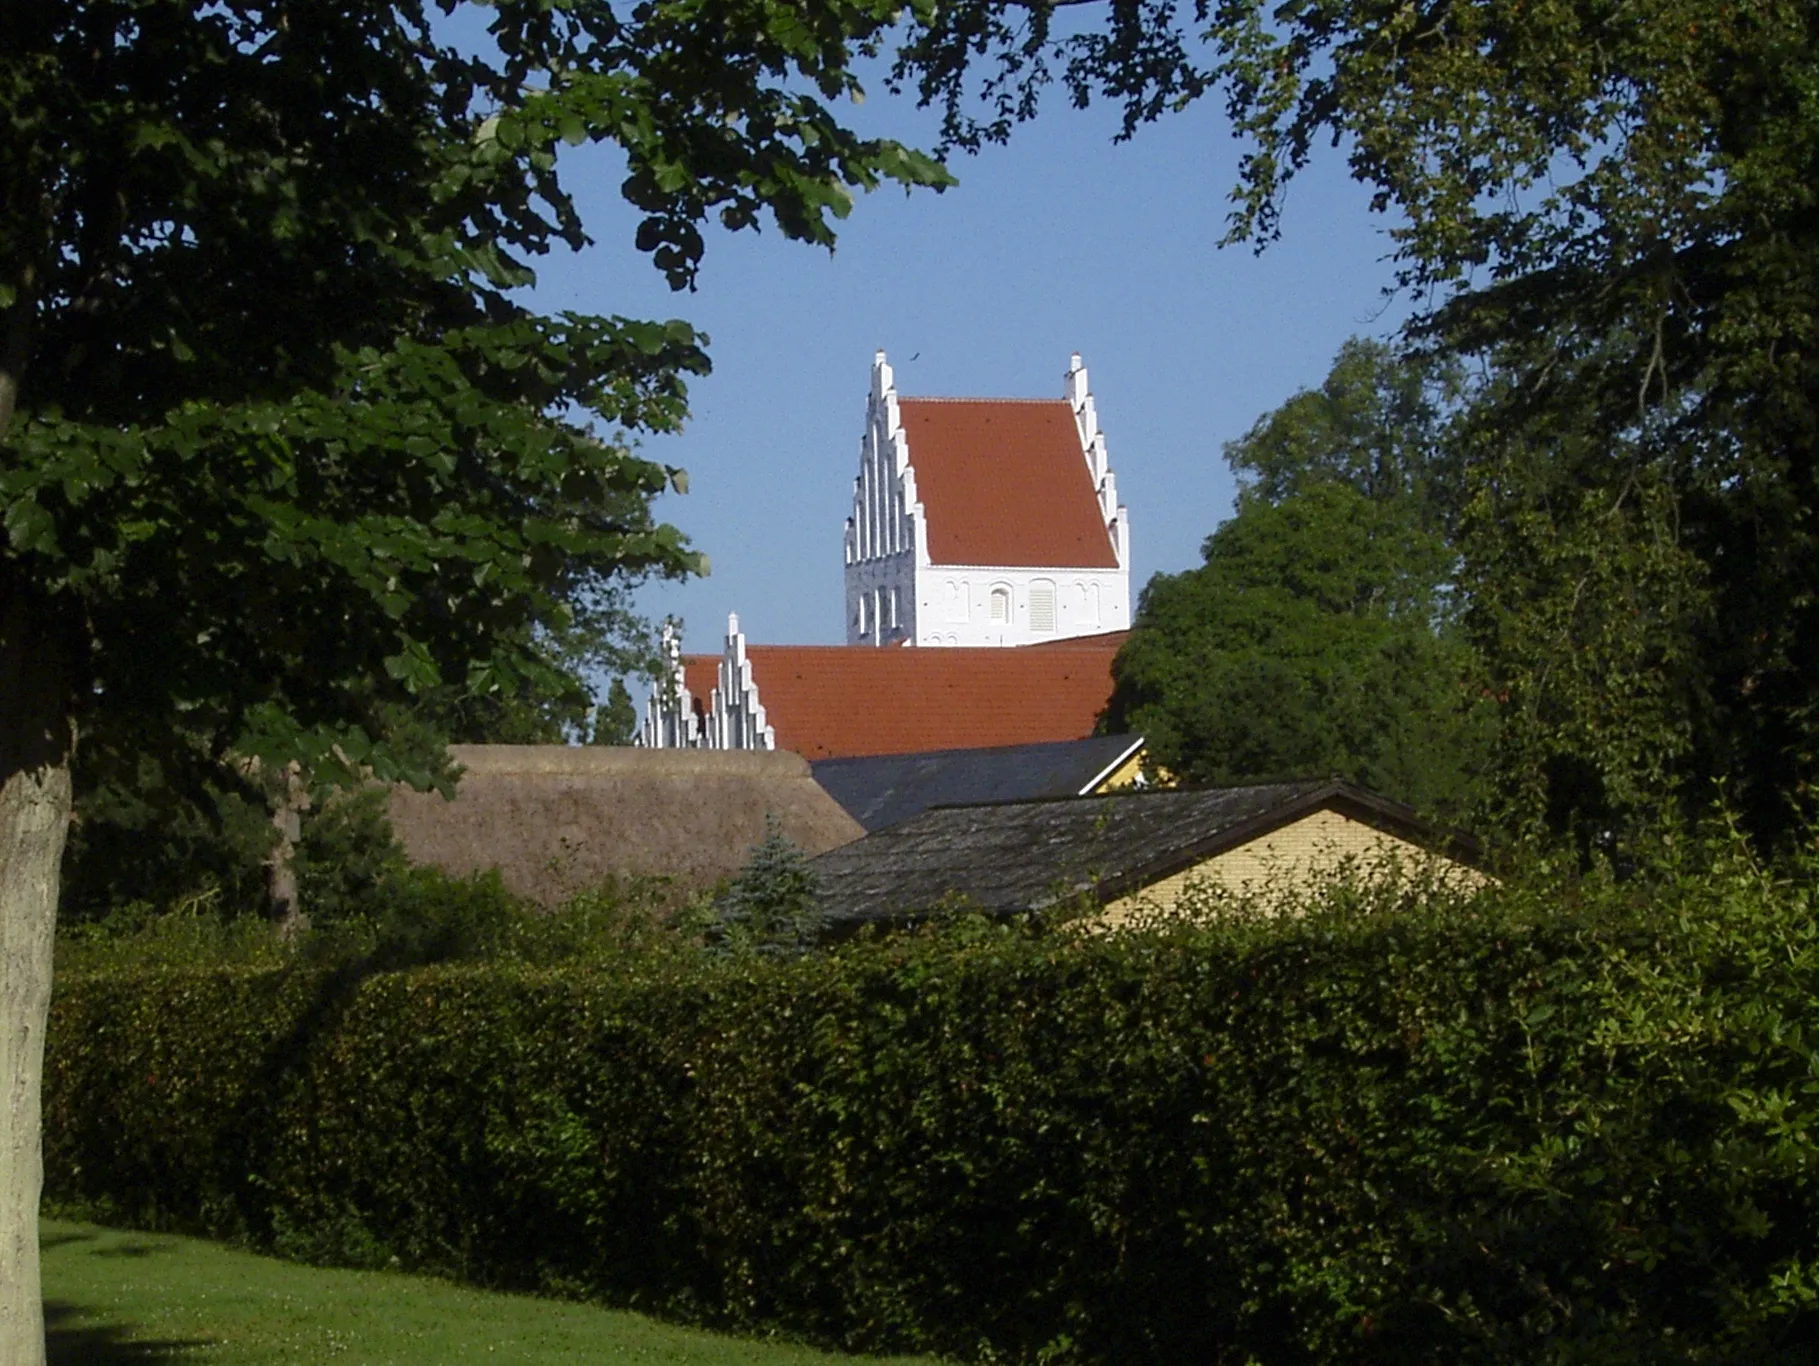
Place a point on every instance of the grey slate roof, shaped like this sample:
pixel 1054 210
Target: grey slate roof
pixel 881 790
pixel 1021 856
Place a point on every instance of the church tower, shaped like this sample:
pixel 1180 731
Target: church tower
pixel 984 521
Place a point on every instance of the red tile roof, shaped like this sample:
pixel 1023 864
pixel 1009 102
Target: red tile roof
pixel 701 675
pixel 1005 481
pixel 1108 640
pixel 843 701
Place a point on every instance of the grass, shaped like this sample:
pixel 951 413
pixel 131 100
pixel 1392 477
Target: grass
pixel 133 1299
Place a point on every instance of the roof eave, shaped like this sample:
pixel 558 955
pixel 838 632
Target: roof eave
pixel 1123 758
pixel 1380 813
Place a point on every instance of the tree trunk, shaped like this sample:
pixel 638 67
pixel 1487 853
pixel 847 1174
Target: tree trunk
pixel 37 742
pixel 290 799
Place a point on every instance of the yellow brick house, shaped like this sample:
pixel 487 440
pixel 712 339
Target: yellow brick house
pixel 1135 854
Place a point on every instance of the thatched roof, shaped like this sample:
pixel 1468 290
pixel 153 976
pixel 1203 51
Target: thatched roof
pixel 555 819
pixel 1018 856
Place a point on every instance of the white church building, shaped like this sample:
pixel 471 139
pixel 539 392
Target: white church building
pixel 984 521
pixel 978 523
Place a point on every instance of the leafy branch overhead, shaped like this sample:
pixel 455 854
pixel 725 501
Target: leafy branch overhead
pixel 284 453
pixel 1608 210
pixel 280 441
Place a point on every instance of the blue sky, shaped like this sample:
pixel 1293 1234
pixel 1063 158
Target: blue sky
pixel 1063 241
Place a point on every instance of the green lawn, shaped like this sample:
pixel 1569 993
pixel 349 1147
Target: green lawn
pixel 131 1299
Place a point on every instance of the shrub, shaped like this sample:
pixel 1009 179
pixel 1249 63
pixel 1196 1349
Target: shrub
pixel 1550 1124
pixel 347 855
pixel 770 907
pixel 411 916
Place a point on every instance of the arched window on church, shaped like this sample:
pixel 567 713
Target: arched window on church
pixel 861 614
pixel 1042 605
pixel 1001 605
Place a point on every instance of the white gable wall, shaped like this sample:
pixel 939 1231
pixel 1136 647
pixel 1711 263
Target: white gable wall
pixel 669 712
pixel 895 594
pixel 733 716
pixel 887 535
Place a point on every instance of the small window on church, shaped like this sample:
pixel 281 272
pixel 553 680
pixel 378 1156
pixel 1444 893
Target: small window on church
pixel 1001 605
pixel 1042 607
pixel 893 609
pixel 958 593
pixel 862 614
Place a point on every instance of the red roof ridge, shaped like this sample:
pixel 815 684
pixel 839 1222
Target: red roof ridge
pixel 1101 640
pixel 973 398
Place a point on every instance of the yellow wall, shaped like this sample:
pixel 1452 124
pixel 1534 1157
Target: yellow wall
pixel 1289 859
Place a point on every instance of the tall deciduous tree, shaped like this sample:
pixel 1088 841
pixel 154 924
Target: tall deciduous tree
pixel 1378 422
pixel 1321 635
pixel 1315 640
pixel 1616 206
pixel 279 447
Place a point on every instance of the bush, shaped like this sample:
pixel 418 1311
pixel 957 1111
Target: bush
pixel 346 857
pixel 137 847
pixel 771 907
pixel 1546 1125
pixel 409 917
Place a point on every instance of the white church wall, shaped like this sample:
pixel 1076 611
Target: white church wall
pixel 875 585
pixel 954 604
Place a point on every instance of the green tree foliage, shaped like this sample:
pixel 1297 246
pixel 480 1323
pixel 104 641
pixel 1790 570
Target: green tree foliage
pixel 1378 423
pixel 771 906
pixel 136 852
pixel 616 719
pixel 138 842
pixel 1584 605
pixel 281 447
pixel 1314 640
pixel 601 634
pixel 1320 636
pixel 1611 207
pixel 279 443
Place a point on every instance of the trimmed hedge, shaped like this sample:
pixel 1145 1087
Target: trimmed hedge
pixel 1502 1132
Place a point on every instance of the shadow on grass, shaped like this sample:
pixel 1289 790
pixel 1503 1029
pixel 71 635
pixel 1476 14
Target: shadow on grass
pixel 131 1250
pixel 46 1241
pixel 71 1339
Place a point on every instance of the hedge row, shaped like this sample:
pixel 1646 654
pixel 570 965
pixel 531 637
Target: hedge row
pixel 1491 1133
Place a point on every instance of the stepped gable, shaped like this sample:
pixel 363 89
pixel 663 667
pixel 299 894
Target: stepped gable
pixel 834 701
pixel 1004 482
